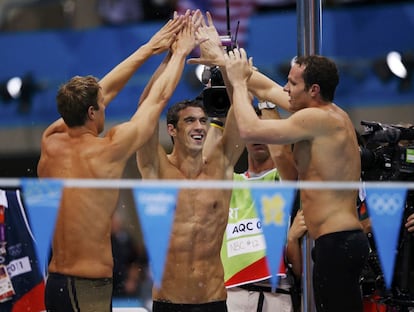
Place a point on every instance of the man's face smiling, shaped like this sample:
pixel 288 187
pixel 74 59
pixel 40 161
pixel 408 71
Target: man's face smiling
pixel 192 128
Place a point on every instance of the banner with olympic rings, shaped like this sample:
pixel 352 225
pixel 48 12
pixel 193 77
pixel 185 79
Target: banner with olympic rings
pixel 155 208
pixel 385 208
pixel 42 199
pixel 274 208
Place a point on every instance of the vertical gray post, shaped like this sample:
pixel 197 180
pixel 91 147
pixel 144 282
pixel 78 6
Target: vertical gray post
pixel 309 21
pixel 308 303
pixel 309 26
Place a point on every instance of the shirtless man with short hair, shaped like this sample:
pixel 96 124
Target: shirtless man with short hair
pixel 80 271
pixel 193 274
pixel 193 278
pixel 326 149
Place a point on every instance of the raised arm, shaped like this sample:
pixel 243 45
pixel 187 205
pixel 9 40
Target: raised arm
pixel 231 136
pixel 282 155
pixel 116 79
pixel 212 49
pixel 155 76
pixel 145 160
pixel 163 65
pixel 212 53
pixel 164 85
pixel 302 125
pixel 216 141
pixel 266 89
pixel 232 142
pixel 214 135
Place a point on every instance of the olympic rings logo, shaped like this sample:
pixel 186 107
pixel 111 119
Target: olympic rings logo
pixel 385 204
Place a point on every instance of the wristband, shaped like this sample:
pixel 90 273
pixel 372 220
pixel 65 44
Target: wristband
pixel 217 124
pixel 266 105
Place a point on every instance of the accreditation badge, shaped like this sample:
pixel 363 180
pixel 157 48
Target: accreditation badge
pixel 6 286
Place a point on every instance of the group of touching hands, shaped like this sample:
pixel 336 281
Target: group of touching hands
pixel 183 33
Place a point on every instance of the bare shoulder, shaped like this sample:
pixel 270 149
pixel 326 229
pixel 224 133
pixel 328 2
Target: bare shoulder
pixel 58 126
pixel 311 118
pixel 309 114
pixel 123 140
pixel 323 116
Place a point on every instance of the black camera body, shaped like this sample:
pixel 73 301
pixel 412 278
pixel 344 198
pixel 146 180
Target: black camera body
pixel 215 97
pixel 383 158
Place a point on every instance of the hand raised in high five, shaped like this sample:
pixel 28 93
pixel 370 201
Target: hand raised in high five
pixel 165 37
pixel 239 68
pixel 187 35
pixel 211 49
pixel 186 38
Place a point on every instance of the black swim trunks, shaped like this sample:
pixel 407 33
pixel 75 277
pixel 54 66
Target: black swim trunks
pixel 338 262
pixel 76 294
pixel 217 306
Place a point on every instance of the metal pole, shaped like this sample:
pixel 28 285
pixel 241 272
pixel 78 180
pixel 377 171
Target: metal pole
pixel 309 29
pixel 309 26
pixel 308 302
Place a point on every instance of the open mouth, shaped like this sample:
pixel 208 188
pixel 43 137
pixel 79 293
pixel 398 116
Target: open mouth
pixel 197 137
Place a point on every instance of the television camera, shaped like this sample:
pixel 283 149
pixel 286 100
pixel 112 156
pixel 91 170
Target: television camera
pixel 387 154
pixel 215 97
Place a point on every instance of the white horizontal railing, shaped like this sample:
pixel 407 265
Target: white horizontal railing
pixel 209 184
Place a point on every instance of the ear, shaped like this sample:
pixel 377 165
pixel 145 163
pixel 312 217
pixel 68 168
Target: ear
pixel 172 131
pixel 91 113
pixel 315 90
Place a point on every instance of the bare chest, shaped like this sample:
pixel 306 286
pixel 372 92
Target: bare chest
pixel 202 204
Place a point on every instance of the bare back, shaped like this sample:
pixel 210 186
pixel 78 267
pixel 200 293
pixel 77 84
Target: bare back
pixel 82 245
pixel 330 155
